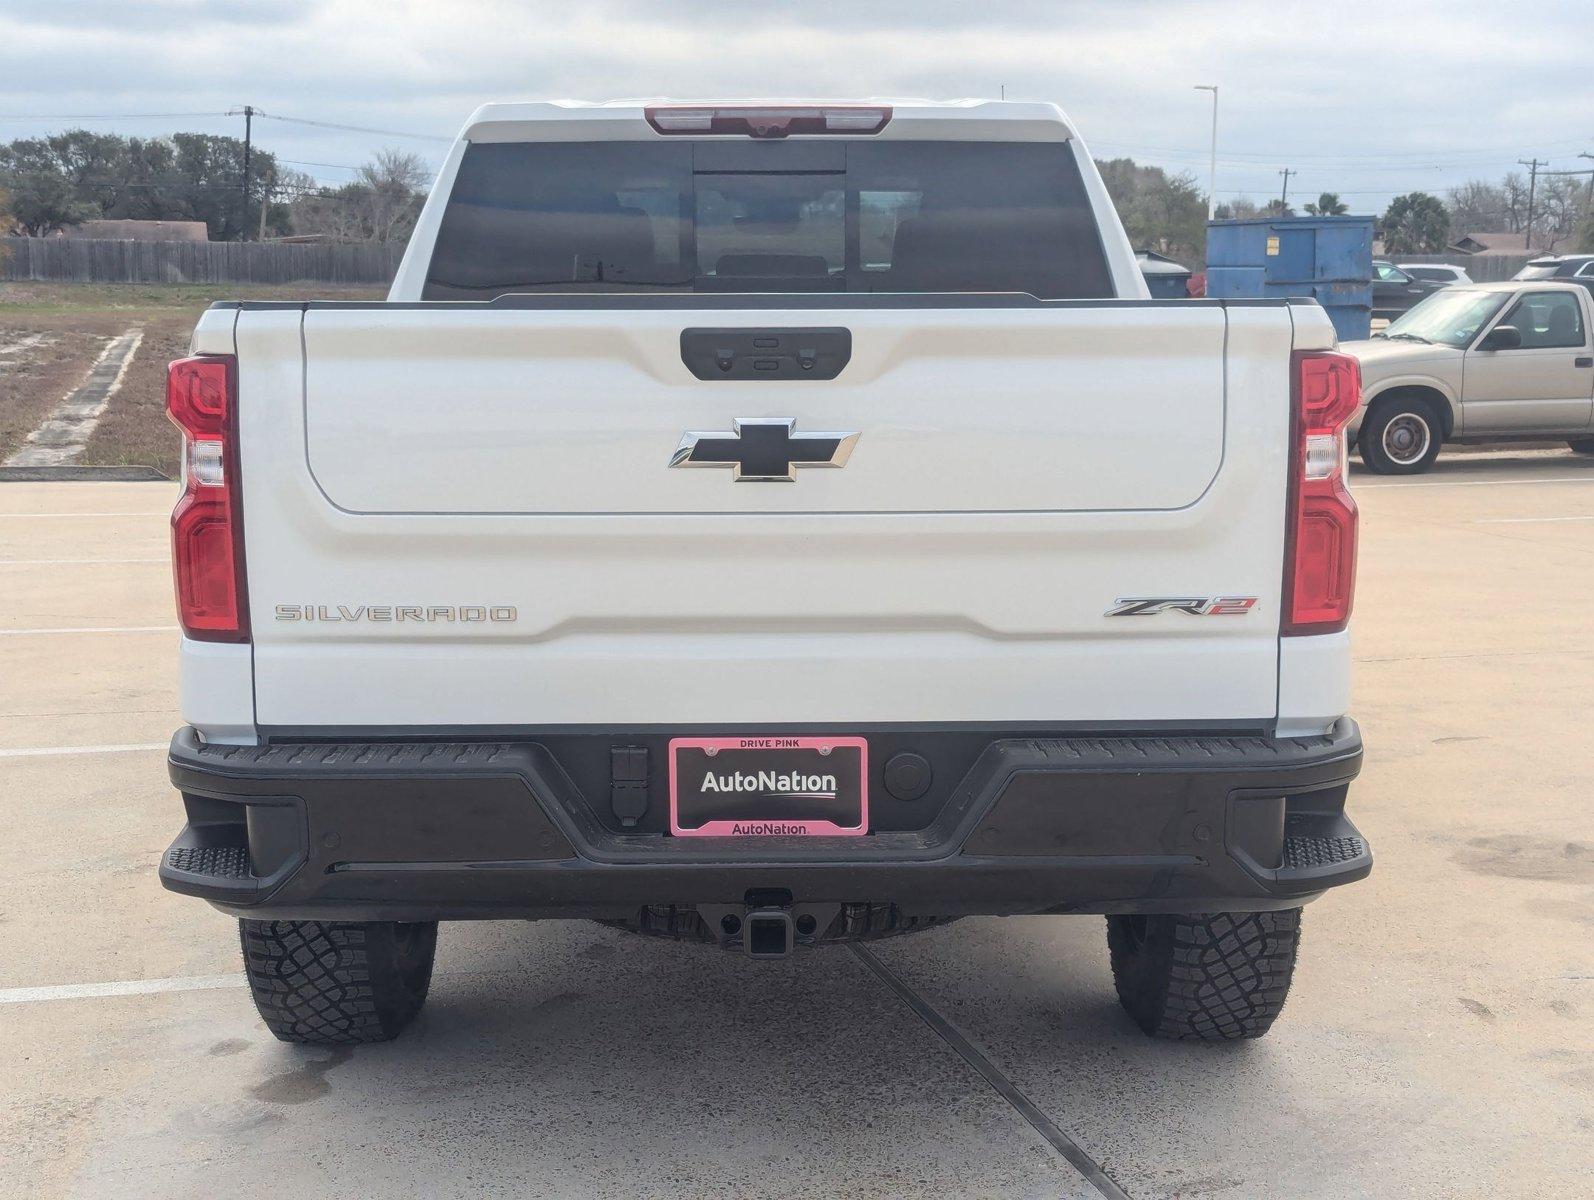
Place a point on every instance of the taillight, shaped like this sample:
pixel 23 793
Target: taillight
pixel 1320 538
pixel 769 122
pixel 207 524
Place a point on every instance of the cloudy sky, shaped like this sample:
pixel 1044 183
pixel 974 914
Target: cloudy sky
pixel 1367 99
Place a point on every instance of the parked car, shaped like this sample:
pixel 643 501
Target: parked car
pixel 765 527
pixel 1394 291
pixel 1443 274
pixel 1574 268
pixel 1487 362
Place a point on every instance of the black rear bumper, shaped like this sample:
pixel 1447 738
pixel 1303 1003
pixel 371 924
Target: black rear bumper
pixel 459 830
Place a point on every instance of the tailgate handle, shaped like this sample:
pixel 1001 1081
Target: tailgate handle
pixel 750 353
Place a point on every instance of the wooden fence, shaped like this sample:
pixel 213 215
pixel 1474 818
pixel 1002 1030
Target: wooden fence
pixel 87 260
pixel 1483 268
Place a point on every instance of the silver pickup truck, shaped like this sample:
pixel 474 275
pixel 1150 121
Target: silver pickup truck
pixel 1480 363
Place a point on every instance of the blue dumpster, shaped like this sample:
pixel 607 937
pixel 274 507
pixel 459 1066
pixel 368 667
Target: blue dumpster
pixel 1166 279
pixel 1327 258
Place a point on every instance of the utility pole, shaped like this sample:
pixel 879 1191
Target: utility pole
pixel 1212 177
pixel 1590 204
pixel 243 225
pixel 1284 196
pixel 1533 165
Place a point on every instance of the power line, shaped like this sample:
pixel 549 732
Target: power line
pixel 1469 153
pixel 430 137
pixel 106 116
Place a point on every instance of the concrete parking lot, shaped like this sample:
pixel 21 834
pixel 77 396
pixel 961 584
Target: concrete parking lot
pixel 1438 1042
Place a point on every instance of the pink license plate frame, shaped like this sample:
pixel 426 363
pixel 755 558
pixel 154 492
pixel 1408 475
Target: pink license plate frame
pixel 775 825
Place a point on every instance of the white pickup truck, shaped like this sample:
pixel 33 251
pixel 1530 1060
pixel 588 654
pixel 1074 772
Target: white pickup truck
pixel 765 526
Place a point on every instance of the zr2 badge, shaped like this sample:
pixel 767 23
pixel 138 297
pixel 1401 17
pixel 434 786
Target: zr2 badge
pixel 1194 606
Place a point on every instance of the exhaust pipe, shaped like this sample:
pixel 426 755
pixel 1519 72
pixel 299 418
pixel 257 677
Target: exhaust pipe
pixel 768 933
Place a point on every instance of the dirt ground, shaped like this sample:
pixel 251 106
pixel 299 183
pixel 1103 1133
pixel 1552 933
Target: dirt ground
pixel 63 328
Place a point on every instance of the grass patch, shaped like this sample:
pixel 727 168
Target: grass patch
pixel 77 318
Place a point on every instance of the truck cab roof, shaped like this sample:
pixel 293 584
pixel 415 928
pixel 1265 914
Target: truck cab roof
pixel 557 120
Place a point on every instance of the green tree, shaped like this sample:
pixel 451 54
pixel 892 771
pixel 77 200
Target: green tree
pixel 70 177
pixel 43 196
pixel 208 171
pixel 1161 212
pixel 1276 208
pixel 1328 204
pixel 1416 223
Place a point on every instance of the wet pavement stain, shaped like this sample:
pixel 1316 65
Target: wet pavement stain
pixel 304 1083
pixel 1515 856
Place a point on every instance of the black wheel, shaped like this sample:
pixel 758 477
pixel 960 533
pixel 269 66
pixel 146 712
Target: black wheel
pixel 1582 445
pixel 1400 437
pixel 332 983
pixel 1206 977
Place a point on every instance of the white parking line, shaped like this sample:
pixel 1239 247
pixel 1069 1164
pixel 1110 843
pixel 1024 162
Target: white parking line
pixel 1364 487
pixel 1529 520
pixel 35 751
pixel 90 629
pixel 127 987
pixel 61 562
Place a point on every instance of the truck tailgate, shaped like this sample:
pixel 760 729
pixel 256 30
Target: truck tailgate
pixel 1017 472
pixel 958 410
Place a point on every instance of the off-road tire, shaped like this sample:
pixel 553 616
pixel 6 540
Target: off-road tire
pixel 1386 412
pixel 334 983
pixel 1582 445
pixel 1205 977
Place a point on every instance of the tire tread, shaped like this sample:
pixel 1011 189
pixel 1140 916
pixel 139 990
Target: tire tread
pixel 335 983
pixel 1207 977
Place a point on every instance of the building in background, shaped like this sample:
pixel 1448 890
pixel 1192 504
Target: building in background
pixel 139 231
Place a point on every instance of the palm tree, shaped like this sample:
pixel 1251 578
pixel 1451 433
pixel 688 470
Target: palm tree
pixel 1328 205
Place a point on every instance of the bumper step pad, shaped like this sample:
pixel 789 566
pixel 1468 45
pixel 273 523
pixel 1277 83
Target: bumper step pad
pixel 213 862
pixel 1301 853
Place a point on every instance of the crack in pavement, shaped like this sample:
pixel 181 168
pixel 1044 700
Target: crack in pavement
pixel 1090 1171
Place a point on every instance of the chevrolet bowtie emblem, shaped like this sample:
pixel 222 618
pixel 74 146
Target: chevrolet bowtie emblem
pixel 763 449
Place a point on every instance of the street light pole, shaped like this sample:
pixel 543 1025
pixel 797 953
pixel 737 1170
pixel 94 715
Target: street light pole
pixel 1212 176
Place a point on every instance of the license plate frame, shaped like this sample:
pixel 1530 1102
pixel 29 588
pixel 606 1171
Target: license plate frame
pixel 813 779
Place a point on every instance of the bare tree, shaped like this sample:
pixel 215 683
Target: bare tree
pixel 1478 206
pixel 395 185
pixel 1516 202
pixel 1241 208
pixel 380 205
pixel 1558 210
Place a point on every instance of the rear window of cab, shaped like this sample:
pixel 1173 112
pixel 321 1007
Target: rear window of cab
pixel 797 215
